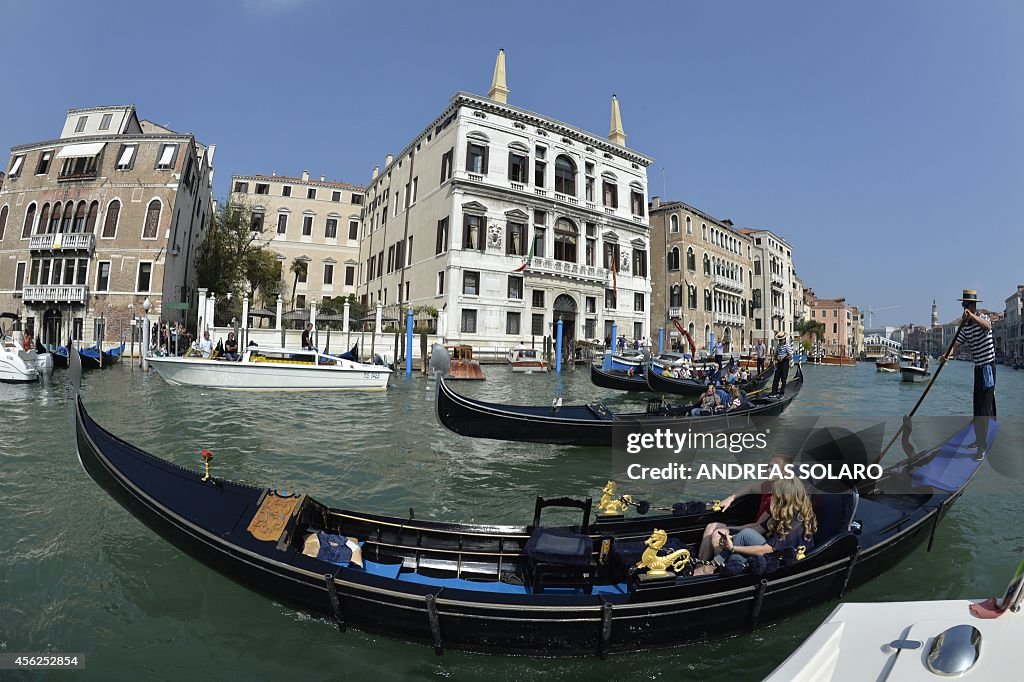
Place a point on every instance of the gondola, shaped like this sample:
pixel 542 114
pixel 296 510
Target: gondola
pixel 660 383
pixel 510 601
pixel 619 380
pixel 94 357
pixel 592 424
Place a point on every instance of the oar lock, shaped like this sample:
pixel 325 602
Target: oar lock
pixel 207 456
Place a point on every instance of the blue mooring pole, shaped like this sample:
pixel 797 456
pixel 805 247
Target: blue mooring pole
pixel 558 358
pixel 408 342
pixel 661 340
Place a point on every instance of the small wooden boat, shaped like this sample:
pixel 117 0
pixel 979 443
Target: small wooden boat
pixel 526 360
pixel 969 639
pixel 592 424
pixel 619 380
pixel 836 360
pixel 463 366
pixel 488 587
pixel 889 363
pixel 273 369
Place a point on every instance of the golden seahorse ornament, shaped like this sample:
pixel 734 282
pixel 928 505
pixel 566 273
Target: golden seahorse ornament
pixel 656 565
pixel 611 502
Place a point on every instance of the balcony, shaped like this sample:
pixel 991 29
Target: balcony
pixel 675 313
pixel 777 280
pixel 540 192
pixel 567 199
pixel 724 282
pixel 729 319
pixel 778 312
pixel 518 186
pixel 475 177
pixel 63 242
pixel 550 266
pixel 57 293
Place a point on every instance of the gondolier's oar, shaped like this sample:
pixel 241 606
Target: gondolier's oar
pixel 906 420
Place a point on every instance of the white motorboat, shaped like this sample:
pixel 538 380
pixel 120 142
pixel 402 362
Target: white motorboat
pixel 16 365
pixel 906 641
pixel 274 369
pixel 526 360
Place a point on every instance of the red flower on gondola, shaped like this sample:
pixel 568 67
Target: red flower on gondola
pixel 207 455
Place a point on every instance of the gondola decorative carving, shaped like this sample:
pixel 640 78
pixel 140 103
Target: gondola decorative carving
pixel 611 502
pixel 657 566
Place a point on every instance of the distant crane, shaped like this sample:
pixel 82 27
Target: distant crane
pixel 872 310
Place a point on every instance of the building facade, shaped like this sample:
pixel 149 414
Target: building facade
pixel 310 220
pixel 771 285
pixel 700 277
pixel 506 221
pixel 841 330
pixel 1014 336
pixel 95 221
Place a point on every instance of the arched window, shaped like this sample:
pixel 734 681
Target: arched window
pixel 835 327
pixel 673 258
pixel 689 225
pixel 707 336
pixel 676 296
pixel 707 264
pixel 691 300
pixel 707 299
pixel 703 231
pixel 69 211
pixel 30 217
pixel 149 229
pixel 44 217
pixel 566 236
pixel 691 259
pixel 3 222
pixel 90 218
pixel 674 224
pixel 54 225
pixel 110 223
pixel 79 225
pixel 565 175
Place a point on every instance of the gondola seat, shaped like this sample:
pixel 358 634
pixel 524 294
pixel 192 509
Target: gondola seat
pixel 835 512
pixel 560 557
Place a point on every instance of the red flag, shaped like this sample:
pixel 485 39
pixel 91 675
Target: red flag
pixel 615 278
pixel 529 259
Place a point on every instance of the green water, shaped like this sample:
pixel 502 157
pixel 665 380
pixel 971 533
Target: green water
pixel 78 574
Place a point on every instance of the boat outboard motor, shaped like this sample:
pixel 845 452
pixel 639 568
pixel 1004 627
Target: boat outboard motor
pixel 440 360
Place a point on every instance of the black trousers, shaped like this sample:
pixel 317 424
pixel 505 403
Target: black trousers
pixel 984 404
pixel 781 374
pixel 760 365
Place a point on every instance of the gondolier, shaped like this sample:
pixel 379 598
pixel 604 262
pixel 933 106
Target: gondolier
pixel 976 331
pixel 783 356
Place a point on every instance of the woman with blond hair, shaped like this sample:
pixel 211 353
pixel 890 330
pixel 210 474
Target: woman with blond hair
pixel 789 524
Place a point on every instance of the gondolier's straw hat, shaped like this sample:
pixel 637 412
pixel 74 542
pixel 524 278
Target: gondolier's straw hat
pixel 780 335
pixel 970 296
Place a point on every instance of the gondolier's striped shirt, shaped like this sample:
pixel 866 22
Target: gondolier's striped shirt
pixel 983 349
pixel 783 350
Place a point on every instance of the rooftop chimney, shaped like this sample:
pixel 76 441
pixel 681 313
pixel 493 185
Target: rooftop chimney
pixel 305 176
pixel 388 159
pixel 376 172
pixel 321 178
pixel 499 90
pixel 655 201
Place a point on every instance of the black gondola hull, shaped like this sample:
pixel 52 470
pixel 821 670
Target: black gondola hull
pixel 583 425
pixel 618 380
pixel 208 521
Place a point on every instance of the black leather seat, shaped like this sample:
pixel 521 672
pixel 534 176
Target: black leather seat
pixel 561 557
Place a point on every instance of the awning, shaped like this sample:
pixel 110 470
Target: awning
pixel 75 151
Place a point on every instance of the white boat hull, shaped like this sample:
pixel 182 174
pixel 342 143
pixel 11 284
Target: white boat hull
pixel 914 374
pixel 16 372
pixel 853 644
pixel 268 376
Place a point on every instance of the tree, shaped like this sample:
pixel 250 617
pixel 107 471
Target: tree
pixel 811 327
pixel 263 275
pixel 336 306
pixel 299 268
pixel 231 252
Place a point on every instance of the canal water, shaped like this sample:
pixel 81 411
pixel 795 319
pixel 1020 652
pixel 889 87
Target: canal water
pixel 79 575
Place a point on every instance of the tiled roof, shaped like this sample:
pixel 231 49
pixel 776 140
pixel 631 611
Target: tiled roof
pixel 311 181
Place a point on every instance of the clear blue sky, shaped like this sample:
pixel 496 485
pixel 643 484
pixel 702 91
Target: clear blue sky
pixel 883 139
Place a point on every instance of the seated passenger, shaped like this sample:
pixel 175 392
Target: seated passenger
pixel 206 345
pixel 763 488
pixel 735 398
pixel 791 522
pixel 709 402
pixel 231 348
pixel 733 376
